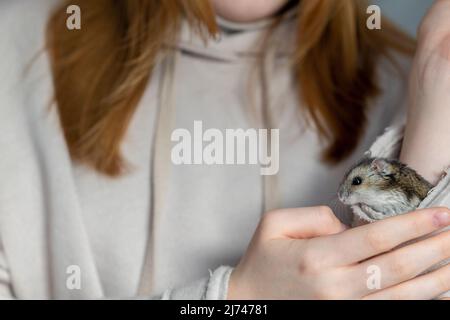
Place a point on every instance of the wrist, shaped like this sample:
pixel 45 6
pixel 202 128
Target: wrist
pixel 237 290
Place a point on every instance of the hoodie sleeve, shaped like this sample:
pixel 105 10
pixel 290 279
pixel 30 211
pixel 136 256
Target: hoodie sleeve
pixel 5 277
pixel 214 287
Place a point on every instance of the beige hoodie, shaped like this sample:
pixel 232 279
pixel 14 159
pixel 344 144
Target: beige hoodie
pixel 163 225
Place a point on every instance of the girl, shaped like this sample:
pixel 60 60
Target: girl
pixel 92 205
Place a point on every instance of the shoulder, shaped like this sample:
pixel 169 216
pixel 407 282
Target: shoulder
pixel 20 16
pixel 25 12
pixel 22 44
pixel 23 27
pixel 25 76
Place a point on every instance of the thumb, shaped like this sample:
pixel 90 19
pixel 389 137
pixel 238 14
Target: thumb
pixel 301 223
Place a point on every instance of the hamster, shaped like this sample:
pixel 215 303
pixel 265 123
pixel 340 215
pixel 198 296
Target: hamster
pixel 377 188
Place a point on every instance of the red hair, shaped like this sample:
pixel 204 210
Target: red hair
pixel 334 64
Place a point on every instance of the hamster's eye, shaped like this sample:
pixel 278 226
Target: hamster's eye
pixel 356 181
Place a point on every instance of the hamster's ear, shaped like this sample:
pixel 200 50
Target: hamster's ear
pixel 381 166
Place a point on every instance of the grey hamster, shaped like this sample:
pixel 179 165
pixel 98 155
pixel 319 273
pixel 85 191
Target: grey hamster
pixel 377 188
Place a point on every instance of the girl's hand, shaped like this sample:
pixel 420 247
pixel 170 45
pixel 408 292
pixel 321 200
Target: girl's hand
pixel 425 147
pixel 308 254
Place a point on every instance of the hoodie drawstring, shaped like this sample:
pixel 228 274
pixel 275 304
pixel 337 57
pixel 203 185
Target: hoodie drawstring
pixel 161 165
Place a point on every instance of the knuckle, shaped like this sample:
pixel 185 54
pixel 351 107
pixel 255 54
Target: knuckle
pixel 416 226
pixel 271 215
pixel 400 267
pixel 375 240
pixel 442 277
pixel 442 208
pixel 444 246
pixel 431 216
pixel 310 261
pixel 440 244
pixel 269 219
pixel 324 211
pixel 442 280
pixel 326 216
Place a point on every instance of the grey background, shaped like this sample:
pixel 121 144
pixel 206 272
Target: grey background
pixel 406 13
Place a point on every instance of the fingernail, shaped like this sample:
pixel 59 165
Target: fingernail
pixel 442 219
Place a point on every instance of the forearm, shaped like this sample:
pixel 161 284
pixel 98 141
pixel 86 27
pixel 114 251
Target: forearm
pixel 426 146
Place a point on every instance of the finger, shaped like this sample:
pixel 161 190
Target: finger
pixel 300 223
pixel 407 262
pixel 364 242
pixel 426 287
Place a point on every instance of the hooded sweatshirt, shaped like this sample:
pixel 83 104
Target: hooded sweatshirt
pixel 162 230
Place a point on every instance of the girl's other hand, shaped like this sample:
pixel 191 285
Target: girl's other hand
pixel 308 254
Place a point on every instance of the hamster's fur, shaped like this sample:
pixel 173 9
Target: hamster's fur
pixel 377 188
